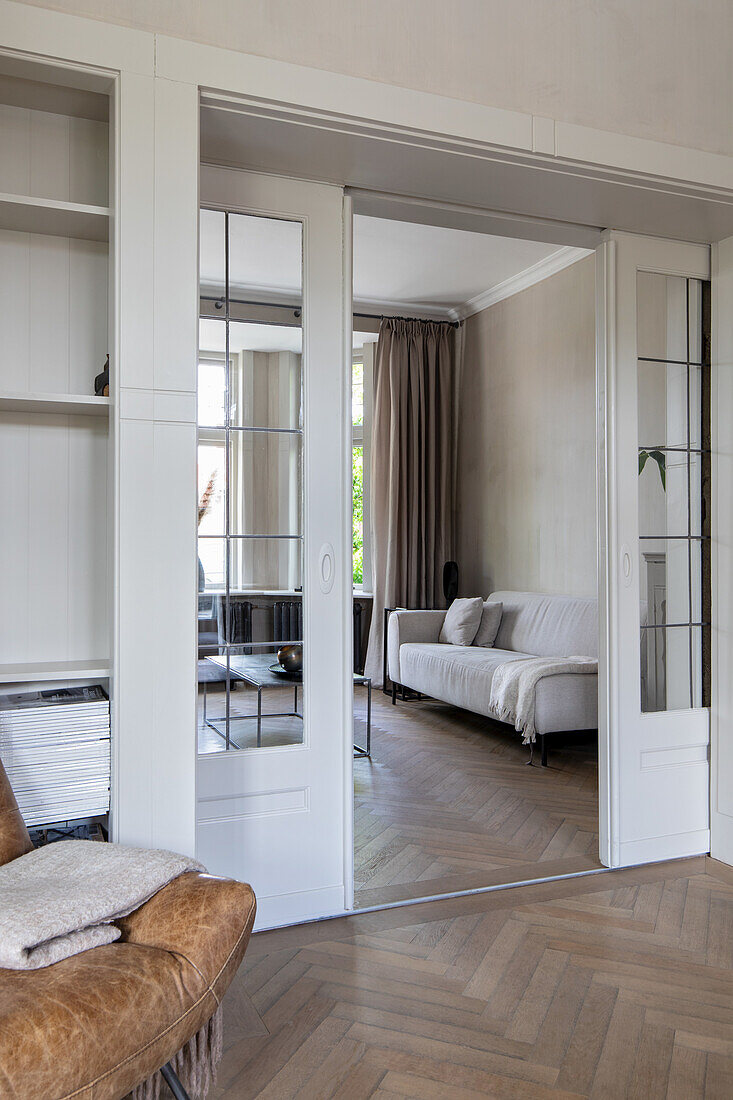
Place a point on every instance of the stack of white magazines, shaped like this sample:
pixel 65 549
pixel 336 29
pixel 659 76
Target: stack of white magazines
pixel 55 746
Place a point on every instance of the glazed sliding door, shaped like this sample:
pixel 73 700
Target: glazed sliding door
pixel 654 336
pixel 274 601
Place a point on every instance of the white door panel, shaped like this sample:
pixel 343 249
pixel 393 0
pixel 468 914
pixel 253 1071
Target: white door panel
pixel 275 815
pixel 654 794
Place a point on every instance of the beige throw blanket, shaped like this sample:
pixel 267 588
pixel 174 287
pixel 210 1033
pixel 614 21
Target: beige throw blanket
pixel 195 1065
pixel 62 899
pixel 514 684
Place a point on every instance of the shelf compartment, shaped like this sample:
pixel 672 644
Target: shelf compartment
pixel 54 218
pixel 38 671
pixel 73 404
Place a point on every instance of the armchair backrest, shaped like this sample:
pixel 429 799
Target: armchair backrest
pixel 14 838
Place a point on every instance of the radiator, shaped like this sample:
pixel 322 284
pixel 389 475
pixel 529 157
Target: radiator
pixel 288 624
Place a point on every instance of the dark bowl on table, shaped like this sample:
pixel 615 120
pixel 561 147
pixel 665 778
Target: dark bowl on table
pixel 290 658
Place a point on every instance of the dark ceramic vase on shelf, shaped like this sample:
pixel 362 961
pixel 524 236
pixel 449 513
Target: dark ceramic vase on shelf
pixel 101 382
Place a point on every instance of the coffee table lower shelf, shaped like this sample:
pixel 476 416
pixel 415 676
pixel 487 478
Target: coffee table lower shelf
pixel 253 670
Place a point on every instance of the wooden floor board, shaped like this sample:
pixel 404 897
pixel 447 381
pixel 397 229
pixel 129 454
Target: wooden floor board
pixel 571 989
pixel 447 803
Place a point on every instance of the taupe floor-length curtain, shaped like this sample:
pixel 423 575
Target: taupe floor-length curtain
pixel 413 472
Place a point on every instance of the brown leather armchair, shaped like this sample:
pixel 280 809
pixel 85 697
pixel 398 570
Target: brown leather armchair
pixel 94 1026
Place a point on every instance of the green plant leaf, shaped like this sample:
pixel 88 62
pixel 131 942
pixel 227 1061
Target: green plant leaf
pixel 661 462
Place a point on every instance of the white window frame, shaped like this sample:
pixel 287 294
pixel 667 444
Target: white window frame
pixel 361 436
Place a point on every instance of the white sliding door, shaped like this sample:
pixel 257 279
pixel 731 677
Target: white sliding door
pixel 656 518
pixel 274 551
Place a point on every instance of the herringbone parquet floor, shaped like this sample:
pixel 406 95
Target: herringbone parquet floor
pixel 448 803
pixel 613 986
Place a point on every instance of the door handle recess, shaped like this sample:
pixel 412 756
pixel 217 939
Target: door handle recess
pixel 326 567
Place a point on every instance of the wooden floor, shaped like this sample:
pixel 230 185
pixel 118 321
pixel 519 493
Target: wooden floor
pixel 610 986
pixel 448 803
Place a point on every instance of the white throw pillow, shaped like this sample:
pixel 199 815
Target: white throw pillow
pixel 489 626
pixel 462 621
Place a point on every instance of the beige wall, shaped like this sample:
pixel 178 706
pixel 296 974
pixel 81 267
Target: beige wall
pixel 527 493
pixel 660 69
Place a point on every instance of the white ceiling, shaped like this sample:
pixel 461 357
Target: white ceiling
pixel 398 265
pixel 409 265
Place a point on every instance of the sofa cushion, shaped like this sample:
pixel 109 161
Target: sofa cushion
pixel 489 625
pixel 462 621
pixel 548 626
pixel 460 675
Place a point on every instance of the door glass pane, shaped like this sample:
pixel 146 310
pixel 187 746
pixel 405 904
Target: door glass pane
pixel 673 490
pixel 670 489
pixel 266 483
pixel 661 316
pixel 235 715
pixel 672 668
pixel 250 502
pixel 212 384
pixel 266 380
pixel 212 254
pixel 670 572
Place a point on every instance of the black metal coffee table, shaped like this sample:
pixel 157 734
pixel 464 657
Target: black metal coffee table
pixel 253 669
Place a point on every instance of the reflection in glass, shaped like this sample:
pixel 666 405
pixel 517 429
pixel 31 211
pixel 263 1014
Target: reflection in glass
pixel 250 706
pixel 212 253
pixel 250 480
pixel 670 487
pixel 265 380
pixel 667 568
pixel 673 484
pixel 672 668
pixel 264 478
pixel 661 303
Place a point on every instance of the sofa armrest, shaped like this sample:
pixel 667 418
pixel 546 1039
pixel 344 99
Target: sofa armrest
pixel 410 626
pixel 203 919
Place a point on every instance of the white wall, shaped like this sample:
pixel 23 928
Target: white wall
pixel 527 447
pixel 661 69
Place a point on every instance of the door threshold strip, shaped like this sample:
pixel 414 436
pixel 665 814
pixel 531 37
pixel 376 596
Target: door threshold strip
pixel 469 893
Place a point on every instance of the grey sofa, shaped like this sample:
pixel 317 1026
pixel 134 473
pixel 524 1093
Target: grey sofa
pixel 532 625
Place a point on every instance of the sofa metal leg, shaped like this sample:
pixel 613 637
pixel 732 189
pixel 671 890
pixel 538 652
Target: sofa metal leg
pixel 544 750
pixel 394 694
pixel 171 1079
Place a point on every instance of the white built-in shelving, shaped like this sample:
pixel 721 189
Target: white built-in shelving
pixel 76 404
pixel 56 447
pixel 50 671
pixel 54 218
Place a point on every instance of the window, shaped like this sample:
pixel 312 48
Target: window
pixel 361 388
pixel 358 498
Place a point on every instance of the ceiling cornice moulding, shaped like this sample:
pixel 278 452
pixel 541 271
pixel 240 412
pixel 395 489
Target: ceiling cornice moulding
pixel 557 261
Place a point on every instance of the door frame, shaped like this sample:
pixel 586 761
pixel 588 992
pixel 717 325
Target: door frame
pixel 487 220
pixel 156 151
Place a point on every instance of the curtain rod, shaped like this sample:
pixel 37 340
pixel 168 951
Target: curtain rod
pixel 395 317
pixel 220 302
